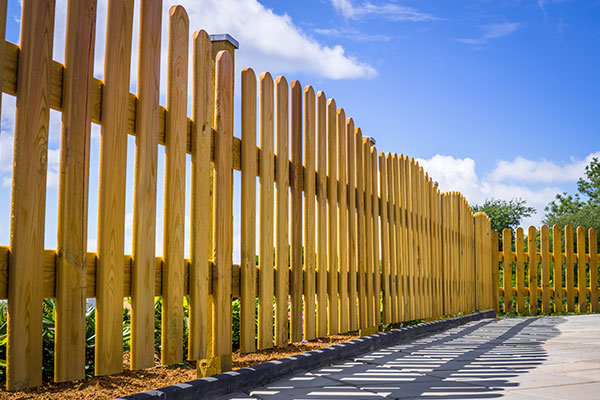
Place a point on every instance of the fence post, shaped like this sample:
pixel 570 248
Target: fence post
pixel 223 208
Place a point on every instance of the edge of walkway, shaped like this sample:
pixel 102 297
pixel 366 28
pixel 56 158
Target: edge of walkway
pixel 262 374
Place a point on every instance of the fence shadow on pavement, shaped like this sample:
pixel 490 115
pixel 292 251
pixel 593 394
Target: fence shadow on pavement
pixel 476 361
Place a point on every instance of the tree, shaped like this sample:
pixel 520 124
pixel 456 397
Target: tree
pixel 505 214
pixel 581 209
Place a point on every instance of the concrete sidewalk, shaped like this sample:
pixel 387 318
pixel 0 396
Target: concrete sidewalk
pixel 516 358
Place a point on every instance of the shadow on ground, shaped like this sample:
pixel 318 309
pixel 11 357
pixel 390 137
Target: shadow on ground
pixel 479 360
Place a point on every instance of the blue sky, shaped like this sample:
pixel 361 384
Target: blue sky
pixel 496 98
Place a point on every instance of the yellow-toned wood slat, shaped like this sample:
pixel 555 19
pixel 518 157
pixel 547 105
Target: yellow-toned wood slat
pixel 332 252
pixel 593 252
pixel 322 233
pixel 352 233
pixel 495 273
pixel 310 330
pixel 519 245
pixel 282 212
pixel 200 196
pixel 404 247
pixel 533 269
pixel 581 270
pixel 507 268
pixel 266 288
pixel 24 349
pixel 342 220
pixel 69 344
pixel 369 259
pixel 545 267
pixel 385 236
pixel 144 203
pixel 111 193
pixel 248 213
pixel 174 234
pixel 223 209
pixel 376 261
pixel 569 268
pixel 296 245
pixel 361 232
pixel 393 232
pixel 557 257
pixel 396 246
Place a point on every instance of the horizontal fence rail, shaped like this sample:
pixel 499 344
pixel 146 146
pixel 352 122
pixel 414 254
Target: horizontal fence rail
pixel 550 270
pixel 345 238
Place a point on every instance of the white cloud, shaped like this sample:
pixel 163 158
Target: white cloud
pixel 522 169
pixel 269 41
pixel 388 11
pixel 459 174
pixel 492 31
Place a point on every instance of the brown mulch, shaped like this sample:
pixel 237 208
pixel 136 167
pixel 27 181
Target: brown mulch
pixel 129 382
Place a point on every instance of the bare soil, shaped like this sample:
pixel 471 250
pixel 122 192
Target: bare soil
pixel 129 382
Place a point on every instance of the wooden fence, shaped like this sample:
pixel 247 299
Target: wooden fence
pixel 547 281
pixel 361 238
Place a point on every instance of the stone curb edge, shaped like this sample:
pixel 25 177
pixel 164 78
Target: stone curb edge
pixel 262 374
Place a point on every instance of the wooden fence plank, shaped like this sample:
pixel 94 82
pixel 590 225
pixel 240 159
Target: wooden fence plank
pixel 69 344
pixel 144 203
pixel 223 209
pixel 296 184
pixel 24 350
pixel 385 238
pixel 369 259
pixel 111 193
pixel 352 215
pixel 519 245
pixel 310 330
pixel 533 269
pixel 342 220
pixel 393 232
pixel 248 213
pixel 495 272
pixel 545 267
pixel 404 265
pixel 593 252
pixel 376 260
pixel 569 268
pixel 507 268
pixel 322 233
pixel 581 270
pixel 397 246
pixel 200 197
pixel 282 178
pixel 174 213
pixel 332 281
pixel 266 289
pixel 557 257
pixel 361 232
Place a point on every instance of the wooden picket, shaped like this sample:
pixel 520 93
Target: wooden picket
pixel 545 270
pixel 318 255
